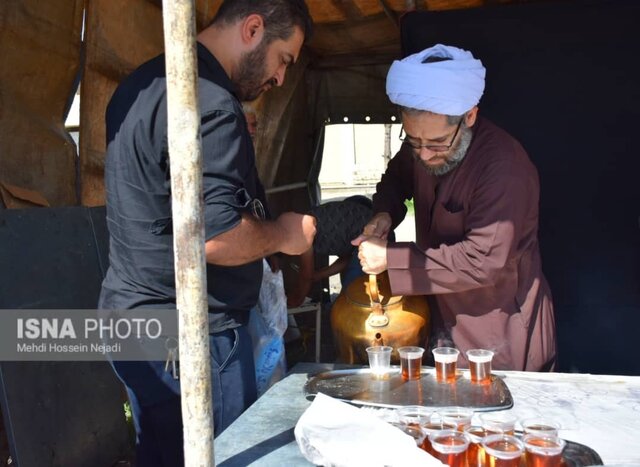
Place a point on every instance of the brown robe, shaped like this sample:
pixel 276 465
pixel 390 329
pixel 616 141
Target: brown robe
pixel 477 249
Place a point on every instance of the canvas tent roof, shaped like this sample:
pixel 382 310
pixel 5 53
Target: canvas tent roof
pixel 44 57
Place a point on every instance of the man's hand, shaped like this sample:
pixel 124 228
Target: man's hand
pixel 379 226
pixel 298 231
pixel 252 239
pixel 372 254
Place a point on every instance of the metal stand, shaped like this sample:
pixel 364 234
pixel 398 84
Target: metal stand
pixel 317 307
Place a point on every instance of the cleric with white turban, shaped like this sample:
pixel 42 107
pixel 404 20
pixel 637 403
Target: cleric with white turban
pixel 448 87
pixel 475 195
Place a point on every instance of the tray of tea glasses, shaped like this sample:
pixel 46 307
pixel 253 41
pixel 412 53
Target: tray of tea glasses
pixel 573 454
pixel 360 386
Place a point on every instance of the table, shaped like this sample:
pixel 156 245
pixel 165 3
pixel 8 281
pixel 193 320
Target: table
pixel 602 412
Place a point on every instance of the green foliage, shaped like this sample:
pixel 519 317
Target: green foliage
pixel 128 416
pixel 127 412
pixel 409 204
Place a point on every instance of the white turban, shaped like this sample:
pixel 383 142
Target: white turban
pixel 450 87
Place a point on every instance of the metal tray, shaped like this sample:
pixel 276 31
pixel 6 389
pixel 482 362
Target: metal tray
pixel 359 386
pixel 579 455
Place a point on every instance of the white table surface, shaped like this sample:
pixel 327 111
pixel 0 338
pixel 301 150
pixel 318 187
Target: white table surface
pixel 602 412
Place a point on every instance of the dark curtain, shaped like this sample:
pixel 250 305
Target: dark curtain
pixel 562 78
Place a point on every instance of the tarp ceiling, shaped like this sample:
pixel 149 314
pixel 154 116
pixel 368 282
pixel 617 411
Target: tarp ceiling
pixel 43 55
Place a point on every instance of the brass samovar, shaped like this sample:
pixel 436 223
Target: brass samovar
pixel 367 314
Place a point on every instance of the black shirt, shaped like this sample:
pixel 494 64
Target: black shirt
pixel 138 192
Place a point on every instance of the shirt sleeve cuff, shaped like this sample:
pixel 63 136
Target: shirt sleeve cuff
pixel 219 218
pixel 398 255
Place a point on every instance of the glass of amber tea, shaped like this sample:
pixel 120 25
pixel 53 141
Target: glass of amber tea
pixel 414 415
pixel 446 359
pixel 543 450
pixel 476 456
pixel 450 447
pixel 434 425
pixel 410 362
pixel 458 415
pixel 540 426
pixel 480 365
pixel 498 423
pixel 503 450
pixel 415 432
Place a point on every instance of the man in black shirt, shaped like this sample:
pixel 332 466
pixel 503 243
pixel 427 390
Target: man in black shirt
pixel 244 52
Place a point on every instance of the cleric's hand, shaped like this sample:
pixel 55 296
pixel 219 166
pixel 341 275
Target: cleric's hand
pixel 379 226
pixel 372 253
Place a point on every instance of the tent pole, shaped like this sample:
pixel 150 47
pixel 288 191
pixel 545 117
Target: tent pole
pixel 185 156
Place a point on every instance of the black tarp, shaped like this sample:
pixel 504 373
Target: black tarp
pixel 562 78
pixel 58 414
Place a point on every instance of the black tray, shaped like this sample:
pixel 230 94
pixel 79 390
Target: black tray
pixel 359 386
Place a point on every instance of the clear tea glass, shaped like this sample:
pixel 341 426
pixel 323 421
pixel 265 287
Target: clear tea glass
pixel 434 425
pixel 458 415
pixel 498 423
pixel 446 360
pixel 476 456
pixel 450 447
pixel 480 365
pixel 503 450
pixel 414 415
pixel 410 362
pixel 540 426
pixel 543 451
pixel 379 360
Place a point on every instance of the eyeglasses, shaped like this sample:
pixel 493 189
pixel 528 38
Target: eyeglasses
pixel 431 147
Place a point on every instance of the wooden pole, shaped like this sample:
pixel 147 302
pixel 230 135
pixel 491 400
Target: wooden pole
pixel 387 144
pixel 185 156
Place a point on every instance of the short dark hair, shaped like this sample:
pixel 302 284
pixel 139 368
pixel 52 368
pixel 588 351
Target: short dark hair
pixel 280 16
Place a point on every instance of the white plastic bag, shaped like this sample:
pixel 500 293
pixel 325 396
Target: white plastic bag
pixel 267 324
pixel 272 303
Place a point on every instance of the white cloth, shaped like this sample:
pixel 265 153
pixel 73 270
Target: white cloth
pixel 334 434
pixel 450 87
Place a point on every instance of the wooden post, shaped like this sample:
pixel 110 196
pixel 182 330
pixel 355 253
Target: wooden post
pixel 185 156
pixel 387 144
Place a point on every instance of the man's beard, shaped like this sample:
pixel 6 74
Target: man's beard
pixel 250 78
pixel 456 155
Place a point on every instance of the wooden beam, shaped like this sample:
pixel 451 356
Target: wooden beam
pixel 390 13
pixel 348 8
pixel 367 35
pixel 411 5
pixel 356 59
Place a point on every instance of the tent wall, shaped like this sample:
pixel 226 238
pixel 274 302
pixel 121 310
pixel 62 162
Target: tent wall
pixel 58 414
pixel 563 79
pixel 354 92
pixel 116 43
pixel 40 43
